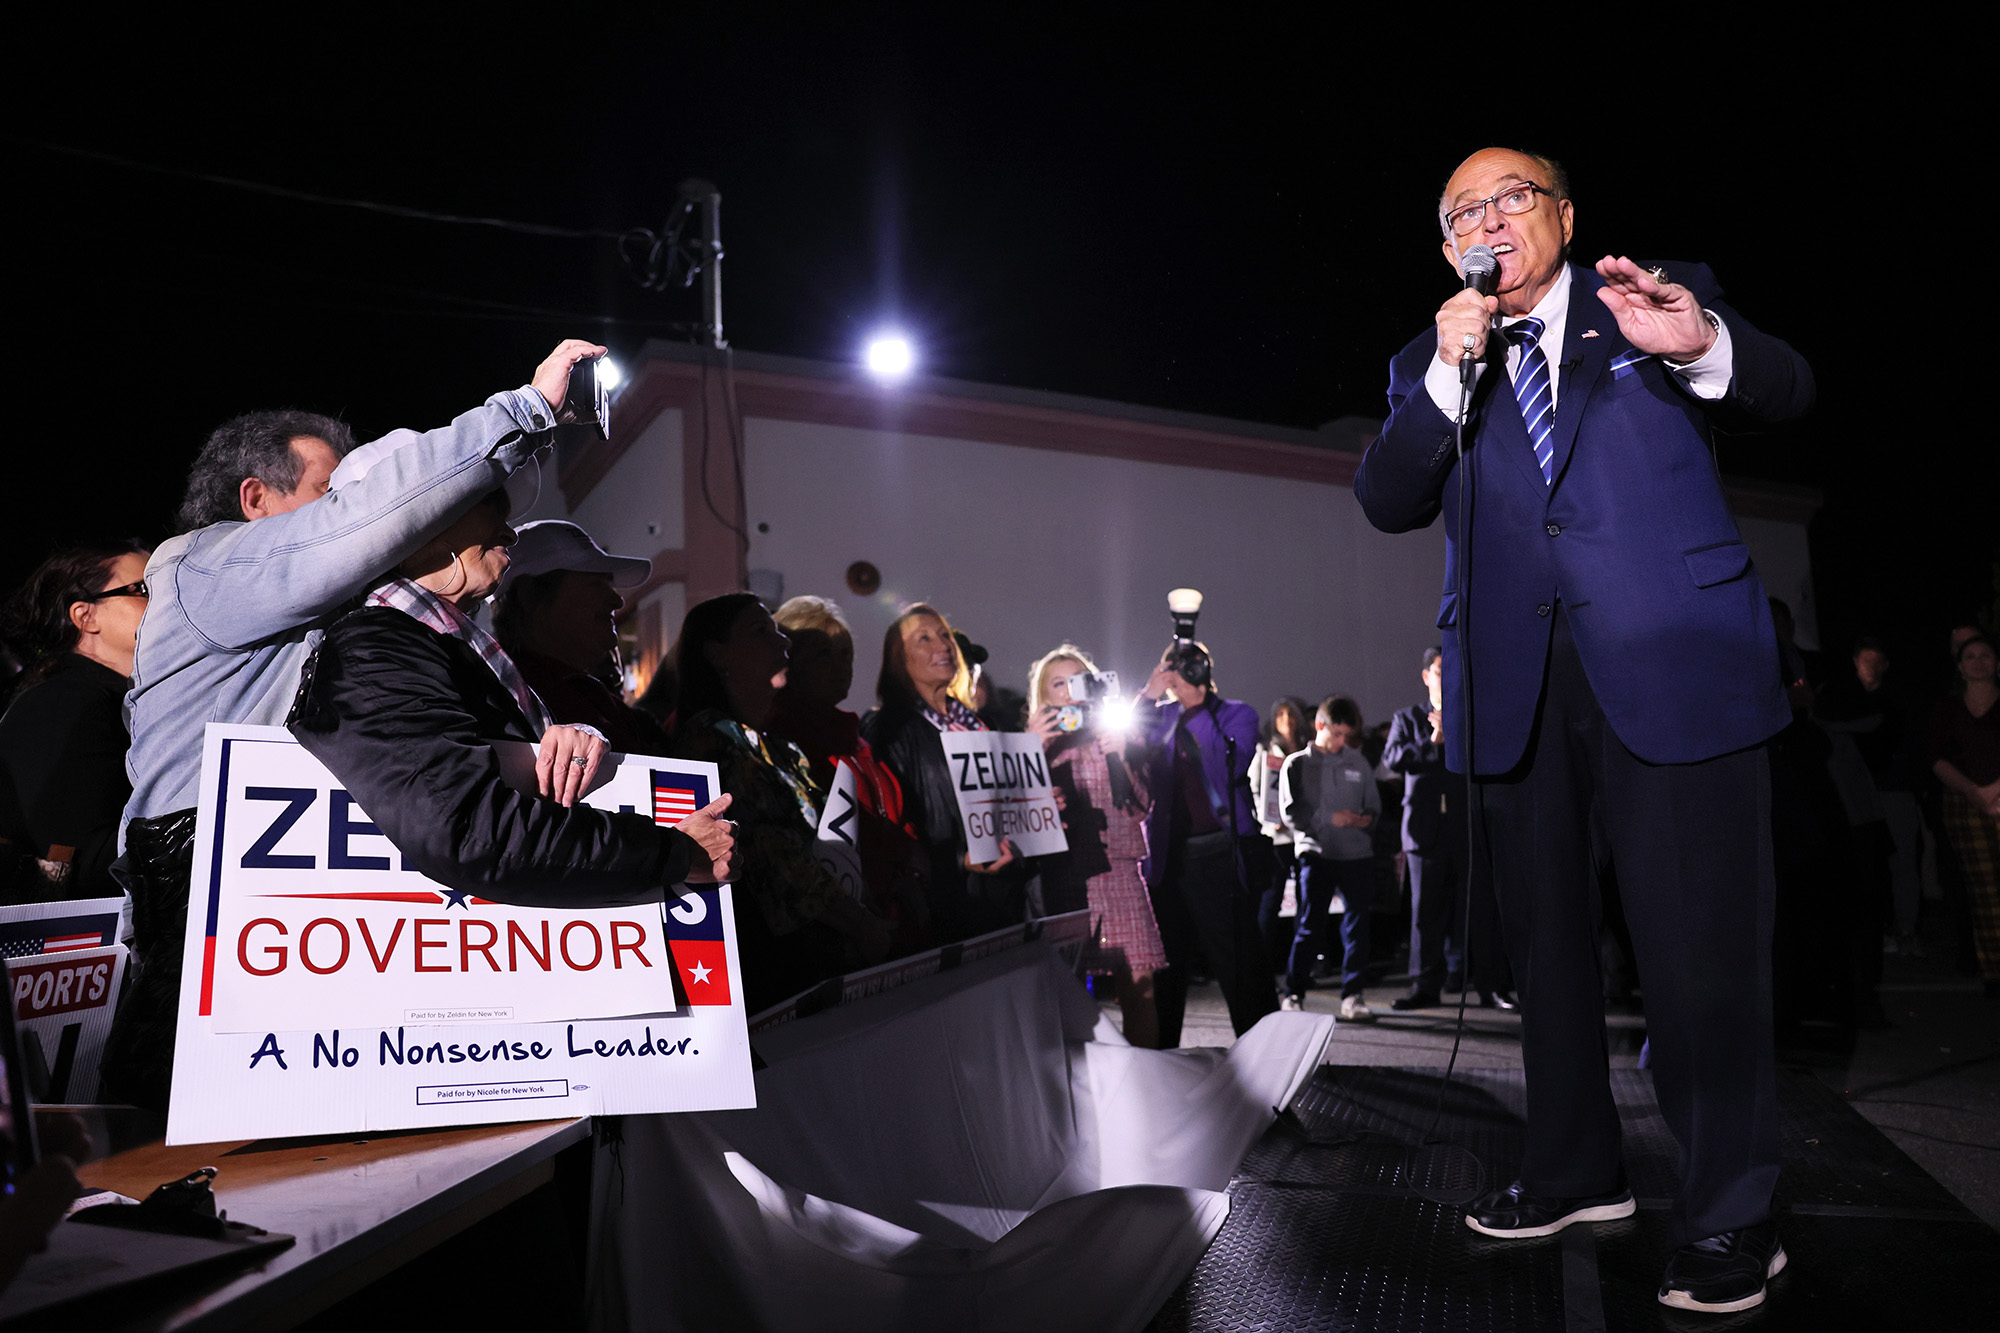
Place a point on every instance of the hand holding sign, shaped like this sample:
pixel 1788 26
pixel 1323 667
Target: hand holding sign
pixel 1009 854
pixel 1005 803
pixel 566 762
pixel 714 839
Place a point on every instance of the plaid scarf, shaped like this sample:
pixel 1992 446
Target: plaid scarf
pixel 434 612
pixel 956 716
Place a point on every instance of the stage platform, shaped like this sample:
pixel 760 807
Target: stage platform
pixel 1336 1224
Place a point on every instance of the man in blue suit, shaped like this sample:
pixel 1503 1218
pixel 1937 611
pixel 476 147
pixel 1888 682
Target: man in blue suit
pixel 1601 606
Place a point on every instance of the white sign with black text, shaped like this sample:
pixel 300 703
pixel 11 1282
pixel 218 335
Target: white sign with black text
pixel 1002 781
pixel 63 1000
pixel 838 845
pixel 329 987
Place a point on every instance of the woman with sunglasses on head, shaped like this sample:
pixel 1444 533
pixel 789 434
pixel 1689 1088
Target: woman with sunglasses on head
pixel 63 739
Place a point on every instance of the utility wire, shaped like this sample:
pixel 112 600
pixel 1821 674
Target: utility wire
pixel 485 308
pixel 311 197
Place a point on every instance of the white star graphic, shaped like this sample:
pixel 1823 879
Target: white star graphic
pixel 699 972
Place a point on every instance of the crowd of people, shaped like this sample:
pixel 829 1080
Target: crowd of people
pixel 1886 798
pixel 379 602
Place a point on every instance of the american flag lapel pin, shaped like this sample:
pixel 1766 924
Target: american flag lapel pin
pixel 1588 333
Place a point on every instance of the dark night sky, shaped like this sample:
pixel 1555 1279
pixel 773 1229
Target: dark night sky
pixel 1228 221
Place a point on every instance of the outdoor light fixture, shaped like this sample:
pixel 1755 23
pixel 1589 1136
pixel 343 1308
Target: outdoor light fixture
pixel 889 356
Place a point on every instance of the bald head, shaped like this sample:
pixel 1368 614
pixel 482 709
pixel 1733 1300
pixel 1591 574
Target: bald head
pixel 1544 171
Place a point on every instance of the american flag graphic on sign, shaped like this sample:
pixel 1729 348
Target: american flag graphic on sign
pixel 677 795
pixel 695 938
pixel 57 934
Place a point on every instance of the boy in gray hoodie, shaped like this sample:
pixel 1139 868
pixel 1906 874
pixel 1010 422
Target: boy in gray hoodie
pixel 1327 793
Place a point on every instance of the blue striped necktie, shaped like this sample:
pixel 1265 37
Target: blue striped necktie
pixel 1534 393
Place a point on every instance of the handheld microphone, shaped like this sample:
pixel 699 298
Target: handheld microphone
pixel 1481 268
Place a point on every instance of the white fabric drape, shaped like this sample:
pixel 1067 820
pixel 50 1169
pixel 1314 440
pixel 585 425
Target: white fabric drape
pixel 973 1151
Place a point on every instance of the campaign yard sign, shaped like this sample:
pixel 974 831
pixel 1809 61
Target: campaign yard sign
pixel 837 844
pixel 1002 781
pixel 328 987
pixel 63 1001
pixel 27 929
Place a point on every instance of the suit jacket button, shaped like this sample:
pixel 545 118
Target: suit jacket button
pixel 1555 529
pixel 1542 610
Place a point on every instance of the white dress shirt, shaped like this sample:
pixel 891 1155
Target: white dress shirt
pixel 1706 378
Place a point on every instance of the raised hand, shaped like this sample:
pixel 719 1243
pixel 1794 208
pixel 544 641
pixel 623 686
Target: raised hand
pixel 714 840
pixel 1658 317
pixel 551 378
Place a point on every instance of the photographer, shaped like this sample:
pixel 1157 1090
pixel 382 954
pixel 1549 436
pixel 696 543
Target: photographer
pixel 1198 749
pixel 1104 813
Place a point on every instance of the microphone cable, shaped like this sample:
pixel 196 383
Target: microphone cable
pixel 1421 1171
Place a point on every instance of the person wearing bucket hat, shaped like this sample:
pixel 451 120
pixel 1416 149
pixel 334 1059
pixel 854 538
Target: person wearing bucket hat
pixel 556 619
pixel 402 700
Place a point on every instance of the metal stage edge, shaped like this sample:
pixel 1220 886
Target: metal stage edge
pixel 1338 1222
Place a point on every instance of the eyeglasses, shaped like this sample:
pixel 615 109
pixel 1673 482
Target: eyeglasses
pixel 136 589
pixel 1514 199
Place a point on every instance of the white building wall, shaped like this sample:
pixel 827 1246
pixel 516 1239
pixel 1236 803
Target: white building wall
pixel 636 508
pixel 1024 548
pixel 1779 551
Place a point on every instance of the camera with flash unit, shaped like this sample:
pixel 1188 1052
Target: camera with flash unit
pixel 1185 657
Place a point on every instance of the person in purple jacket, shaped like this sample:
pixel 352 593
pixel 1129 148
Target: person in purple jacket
pixel 1198 747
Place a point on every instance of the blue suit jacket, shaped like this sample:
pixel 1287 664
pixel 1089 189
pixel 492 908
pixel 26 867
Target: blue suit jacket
pixel 1635 538
pixel 1433 816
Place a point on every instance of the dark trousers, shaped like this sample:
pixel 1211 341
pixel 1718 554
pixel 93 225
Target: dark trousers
pixel 1270 898
pixel 1488 968
pixel 1437 918
pixel 1319 880
pixel 1691 844
pixel 1202 901
pixel 1441 942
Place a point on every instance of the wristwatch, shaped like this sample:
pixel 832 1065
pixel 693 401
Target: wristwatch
pixel 1713 323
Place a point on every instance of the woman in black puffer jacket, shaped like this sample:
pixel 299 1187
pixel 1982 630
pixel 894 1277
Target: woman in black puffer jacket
pixel 925 690
pixel 401 701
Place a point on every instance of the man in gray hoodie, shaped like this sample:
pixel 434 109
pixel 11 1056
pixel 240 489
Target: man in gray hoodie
pixel 1327 793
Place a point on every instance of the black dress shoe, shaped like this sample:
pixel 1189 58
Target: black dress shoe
pixel 1724 1273
pixel 1499 999
pixel 1417 999
pixel 1513 1212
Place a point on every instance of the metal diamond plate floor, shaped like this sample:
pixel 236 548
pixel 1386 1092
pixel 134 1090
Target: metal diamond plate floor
pixel 1335 1224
